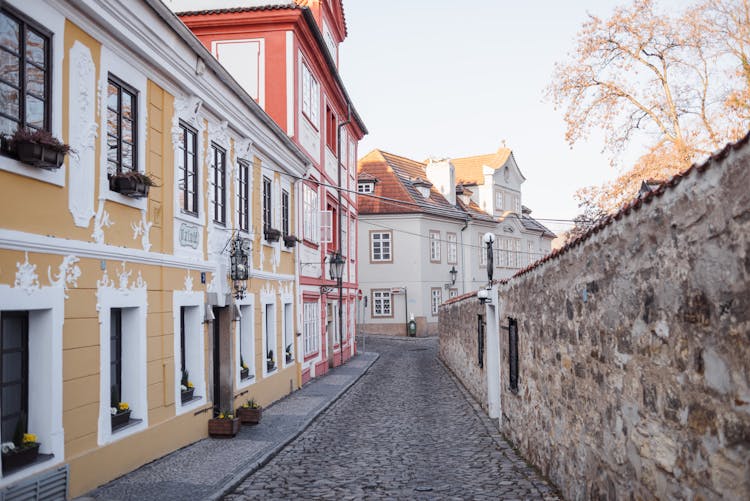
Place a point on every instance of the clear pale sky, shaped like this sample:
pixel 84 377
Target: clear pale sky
pixel 450 78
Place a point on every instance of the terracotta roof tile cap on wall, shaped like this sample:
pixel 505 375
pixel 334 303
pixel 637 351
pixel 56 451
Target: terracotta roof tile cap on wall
pixel 232 10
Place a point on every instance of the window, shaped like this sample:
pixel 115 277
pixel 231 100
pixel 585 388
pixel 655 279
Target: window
pixel 365 187
pixel 380 246
pixel 326 226
pixel 311 327
pixel 530 253
pixel 115 356
pixel 122 127
pixel 310 96
pixel 187 158
pixel 502 248
pixel 219 170
pixel 14 391
pixel 345 236
pixel 269 333
pixel 513 354
pixel 25 79
pixel 498 200
pixel 288 333
pixel 517 204
pixel 311 216
pixel 452 293
pixel 436 298
pixel 331 130
pixel 434 246
pixel 267 223
pixel 452 248
pixel 284 212
pixel 381 303
pixel 243 195
pixel 246 343
pixel 189 349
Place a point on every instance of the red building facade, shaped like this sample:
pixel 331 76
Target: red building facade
pixel 286 57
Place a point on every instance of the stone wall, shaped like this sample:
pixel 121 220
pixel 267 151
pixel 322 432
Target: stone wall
pixel 634 347
pixel 459 351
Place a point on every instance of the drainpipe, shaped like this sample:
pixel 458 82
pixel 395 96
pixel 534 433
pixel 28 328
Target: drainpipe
pixel 463 261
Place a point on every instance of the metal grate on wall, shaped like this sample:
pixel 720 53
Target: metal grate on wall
pixel 47 486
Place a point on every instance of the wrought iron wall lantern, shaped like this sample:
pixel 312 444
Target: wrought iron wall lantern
pixel 239 270
pixel 454 272
pixel 335 271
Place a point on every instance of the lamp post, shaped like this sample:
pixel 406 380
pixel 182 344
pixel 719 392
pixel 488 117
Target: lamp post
pixel 336 269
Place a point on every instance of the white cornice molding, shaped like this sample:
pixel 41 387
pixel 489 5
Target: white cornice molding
pixel 29 242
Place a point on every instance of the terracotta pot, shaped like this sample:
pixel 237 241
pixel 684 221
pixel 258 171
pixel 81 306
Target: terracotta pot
pixel 20 457
pixel 223 427
pixel 249 415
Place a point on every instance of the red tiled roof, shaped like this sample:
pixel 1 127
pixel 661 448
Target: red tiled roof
pixel 469 169
pixel 232 10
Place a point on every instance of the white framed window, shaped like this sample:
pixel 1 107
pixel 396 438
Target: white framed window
pixel 365 187
pixel 436 298
pixel 311 328
pixel 345 235
pixel 270 345
pixel 245 341
pixel 530 258
pixel 452 248
pixel 452 293
pixel 434 246
pixel 498 200
pixel 502 252
pixel 381 303
pixel 311 216
pixel 189 350
pixel 287 321
pixel 380 247
pixel 326 226
pixel 310 96
pixel 482 251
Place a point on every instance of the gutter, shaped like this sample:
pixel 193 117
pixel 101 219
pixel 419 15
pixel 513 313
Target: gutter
pixel 226 78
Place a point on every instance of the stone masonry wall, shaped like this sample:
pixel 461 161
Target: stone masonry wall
pixel 459 350
pixel 634 348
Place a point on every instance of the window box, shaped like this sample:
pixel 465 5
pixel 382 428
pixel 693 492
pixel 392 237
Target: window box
pixel 187 395
pixel 270 365
pixel 244 373
pixel 131 184
pixel 272 235
pixel 290 241
pixel 223 426
pixel 20 457
pixel 38 149
pixel 120 419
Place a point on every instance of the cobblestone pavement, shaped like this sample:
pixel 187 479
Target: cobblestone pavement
pixel 406 430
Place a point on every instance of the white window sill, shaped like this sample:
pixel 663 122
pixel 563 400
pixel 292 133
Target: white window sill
pixel 56 177
pixel 196 402
pixel 136 203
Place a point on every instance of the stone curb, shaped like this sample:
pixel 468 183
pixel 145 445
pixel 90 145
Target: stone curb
pixel 240 476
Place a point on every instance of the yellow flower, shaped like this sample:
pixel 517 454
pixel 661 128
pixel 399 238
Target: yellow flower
pixel 230 416
pixel 221 415
pixel 123 406
pixel 245 405
pixel 244 366
pixel 29 438
pixel 190 385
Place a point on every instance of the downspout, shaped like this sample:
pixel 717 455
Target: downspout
pixel 340 234
pixel 463 250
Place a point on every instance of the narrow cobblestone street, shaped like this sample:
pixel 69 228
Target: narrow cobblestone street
pixel 405 430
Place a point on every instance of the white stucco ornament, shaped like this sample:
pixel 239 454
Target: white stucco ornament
pixel 188 282
pixel 67 274
pixel 142 229
pixel 101 221
pixel 26 277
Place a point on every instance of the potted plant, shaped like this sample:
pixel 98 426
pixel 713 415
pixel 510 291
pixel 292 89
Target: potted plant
pixel 288 353
pixel 272 234
pixel 186 387
pixel 23 450
pixel 244 369
pixel 132 184
pixel 250 412
pixel 225 424
pixel 270 361
pixel 38 148
pixel 290 240
pixel 120 410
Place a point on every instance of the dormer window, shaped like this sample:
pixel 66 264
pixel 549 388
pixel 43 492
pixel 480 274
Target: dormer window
pixel 366 186
pixel 423 186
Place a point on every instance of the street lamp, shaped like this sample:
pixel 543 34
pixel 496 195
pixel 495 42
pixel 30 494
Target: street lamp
pixel 453 271
pixel 238 267
pixel 336 270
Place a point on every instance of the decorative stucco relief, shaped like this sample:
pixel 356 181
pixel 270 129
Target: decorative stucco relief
pixel 142 229
pixel 101 221
pixel 187 109
pixel 188 282
pixel 83 133
pixel 121 284
pixel 26 277
pixel 67 274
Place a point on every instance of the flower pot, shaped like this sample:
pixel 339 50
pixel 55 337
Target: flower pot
pixel 290 241
pixel 20 457
pixel 187 395
pixel 272 235
pixel 289 358
pixel 248 415
pixel 223 427
pixel 128 186
pixel 39 155
pixel 244 373
pixel 120 419
pixel 270 366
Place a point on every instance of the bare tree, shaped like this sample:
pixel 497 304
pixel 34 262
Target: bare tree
pixel 669 78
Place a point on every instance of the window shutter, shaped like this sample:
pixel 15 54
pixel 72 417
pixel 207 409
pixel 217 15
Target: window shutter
pixel 326 226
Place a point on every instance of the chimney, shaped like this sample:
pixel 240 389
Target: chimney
pixel 443 176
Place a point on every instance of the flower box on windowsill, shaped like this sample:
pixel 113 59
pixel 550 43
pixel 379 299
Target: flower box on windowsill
pixel 290 241
pixel 20 457
pixel 36 148
pixel 39 155
pixel 129 185
pixel 244 373
pixel 270 365
pixel 120 419
pixel 223 427
pixel 187 395
pixel 250 415
pixel 272 235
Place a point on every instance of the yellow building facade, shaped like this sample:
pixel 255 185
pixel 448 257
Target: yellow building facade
pixel 109 297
